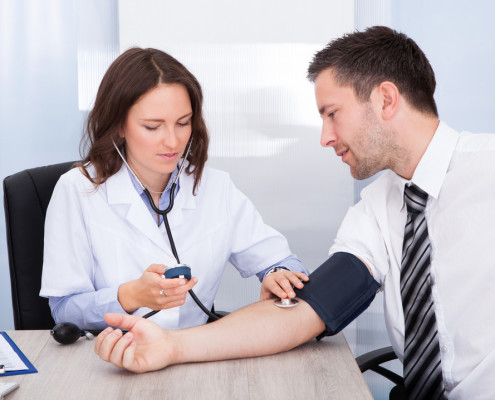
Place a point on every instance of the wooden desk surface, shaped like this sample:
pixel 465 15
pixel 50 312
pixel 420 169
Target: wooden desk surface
pixel 315 370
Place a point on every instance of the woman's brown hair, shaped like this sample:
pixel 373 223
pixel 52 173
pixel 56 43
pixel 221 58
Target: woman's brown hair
pixel 129 77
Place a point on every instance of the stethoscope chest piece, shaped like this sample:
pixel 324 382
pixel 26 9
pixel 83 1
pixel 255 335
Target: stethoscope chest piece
pixel 286 303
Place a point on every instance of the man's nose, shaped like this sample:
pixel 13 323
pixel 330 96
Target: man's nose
pixel 328 136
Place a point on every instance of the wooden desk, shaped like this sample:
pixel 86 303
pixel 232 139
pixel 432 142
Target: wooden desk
pixel 315 370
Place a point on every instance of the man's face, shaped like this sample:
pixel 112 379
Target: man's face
pixel 352 128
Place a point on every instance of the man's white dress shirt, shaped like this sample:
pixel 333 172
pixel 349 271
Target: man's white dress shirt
pixel 458 173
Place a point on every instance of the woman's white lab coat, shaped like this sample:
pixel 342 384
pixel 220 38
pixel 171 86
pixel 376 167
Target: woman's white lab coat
pixel 98 240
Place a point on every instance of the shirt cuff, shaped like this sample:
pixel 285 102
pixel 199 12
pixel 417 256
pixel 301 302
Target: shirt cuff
pixel 291 263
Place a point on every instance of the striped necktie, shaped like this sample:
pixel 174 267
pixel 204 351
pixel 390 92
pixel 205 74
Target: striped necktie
pixel 422 367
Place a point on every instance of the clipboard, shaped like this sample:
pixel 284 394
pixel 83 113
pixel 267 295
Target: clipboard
pixel 30 367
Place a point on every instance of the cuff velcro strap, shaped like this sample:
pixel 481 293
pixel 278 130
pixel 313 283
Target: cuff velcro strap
pixel 339 290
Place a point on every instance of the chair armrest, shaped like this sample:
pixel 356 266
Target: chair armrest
pixel 373 359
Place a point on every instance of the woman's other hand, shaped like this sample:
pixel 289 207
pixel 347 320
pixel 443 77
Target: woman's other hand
pixel 280 284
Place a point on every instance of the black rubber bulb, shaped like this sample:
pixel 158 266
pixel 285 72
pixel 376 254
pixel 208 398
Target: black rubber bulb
pixel 66 332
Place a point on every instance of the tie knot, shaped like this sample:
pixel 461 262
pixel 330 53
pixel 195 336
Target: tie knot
pixel 415 199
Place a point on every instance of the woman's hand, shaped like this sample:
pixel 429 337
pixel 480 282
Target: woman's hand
pixel 280 283
pixel 146 347
pixel 153 291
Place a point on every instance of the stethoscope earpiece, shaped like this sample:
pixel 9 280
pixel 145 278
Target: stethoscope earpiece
pixel 68 333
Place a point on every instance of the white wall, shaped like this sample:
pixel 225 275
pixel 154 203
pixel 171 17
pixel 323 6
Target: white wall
pixel 459 39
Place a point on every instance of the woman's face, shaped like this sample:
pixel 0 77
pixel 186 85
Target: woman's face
pixel 156 133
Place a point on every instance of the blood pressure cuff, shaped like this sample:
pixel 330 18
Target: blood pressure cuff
pixel 339 290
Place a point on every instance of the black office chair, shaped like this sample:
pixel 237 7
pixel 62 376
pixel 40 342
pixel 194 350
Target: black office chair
pixel 26 197
pixel 373 360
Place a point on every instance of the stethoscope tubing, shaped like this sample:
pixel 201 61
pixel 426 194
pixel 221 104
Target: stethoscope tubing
pixel 174 250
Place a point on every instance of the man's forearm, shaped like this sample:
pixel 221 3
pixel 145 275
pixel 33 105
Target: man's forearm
pixel 256 330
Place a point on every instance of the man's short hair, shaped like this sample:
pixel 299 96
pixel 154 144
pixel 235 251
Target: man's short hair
pixel 363 60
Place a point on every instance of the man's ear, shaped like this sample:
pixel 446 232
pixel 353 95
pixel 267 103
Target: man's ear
pixel 388 95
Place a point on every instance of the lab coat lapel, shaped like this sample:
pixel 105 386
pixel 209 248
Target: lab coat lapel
pixel 121 191
pixel 183 201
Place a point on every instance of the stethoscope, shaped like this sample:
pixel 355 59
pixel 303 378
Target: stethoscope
pixel 180 270
pixel 67 332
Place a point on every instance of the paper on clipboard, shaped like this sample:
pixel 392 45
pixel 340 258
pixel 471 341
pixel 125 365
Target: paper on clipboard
pixel 9 358
pixel 12 359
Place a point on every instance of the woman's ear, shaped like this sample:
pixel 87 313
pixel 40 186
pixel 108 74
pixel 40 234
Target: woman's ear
pixel 388 95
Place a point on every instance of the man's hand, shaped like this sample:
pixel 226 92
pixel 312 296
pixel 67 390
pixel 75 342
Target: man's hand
pixel 280 283
pixel 146 347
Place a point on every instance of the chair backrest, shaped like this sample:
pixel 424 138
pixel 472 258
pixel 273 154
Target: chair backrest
pixel 26 197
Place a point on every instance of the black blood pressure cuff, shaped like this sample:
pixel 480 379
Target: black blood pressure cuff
pixel 339 290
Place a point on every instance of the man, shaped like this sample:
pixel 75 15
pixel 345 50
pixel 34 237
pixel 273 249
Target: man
pixel 421 233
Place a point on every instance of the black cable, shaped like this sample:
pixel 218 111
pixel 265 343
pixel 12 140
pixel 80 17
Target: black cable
pixel 212 315
pixel 171 239
pixel 164 213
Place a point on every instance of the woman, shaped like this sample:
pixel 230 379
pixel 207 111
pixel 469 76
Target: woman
pixel 106 248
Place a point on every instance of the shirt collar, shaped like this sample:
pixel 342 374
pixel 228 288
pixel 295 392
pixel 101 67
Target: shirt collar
pixel 140 190
pixel 432 168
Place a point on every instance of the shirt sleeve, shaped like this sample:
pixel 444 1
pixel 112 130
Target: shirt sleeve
pixel 255 246
pixel 86 310
pixel 360 235
pixel 291 263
